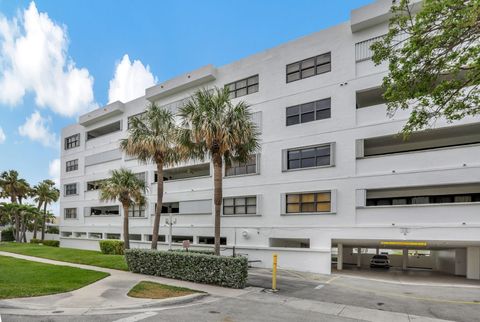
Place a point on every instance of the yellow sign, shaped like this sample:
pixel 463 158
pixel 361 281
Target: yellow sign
pixel 403 243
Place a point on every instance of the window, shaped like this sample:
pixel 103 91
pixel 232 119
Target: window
pixel 113 236
pixel 237 168
pixel 70 213
pixel 240 206
pixel 72 141
pixel 104 211
pixel 423 200
pixel 136 211
pixel 309 157
pixel 243 87
pixel 311 202
pixel 104 130
pixel 370 97
pixel 211 240
pixel 70 189
pixel 309 67
pixel 170 207
pixel 72 165
pixel 80 234
pixel 66 234
pixel 137 237
pixel 289 242
pixel 95 235
pixel 161 238
pixel 180 239
pixel 94 185
pixel 308 112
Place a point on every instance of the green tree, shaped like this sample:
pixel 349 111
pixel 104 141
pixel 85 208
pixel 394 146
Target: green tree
pixel 213 126
pixel 16 189
pixel 45 193
pixel 433 57
pixel 126 187
pixel 152 137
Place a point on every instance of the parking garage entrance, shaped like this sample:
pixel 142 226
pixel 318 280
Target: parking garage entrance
pixel 417 259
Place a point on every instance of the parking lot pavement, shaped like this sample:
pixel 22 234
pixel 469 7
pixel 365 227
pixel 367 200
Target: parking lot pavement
pixel 443 302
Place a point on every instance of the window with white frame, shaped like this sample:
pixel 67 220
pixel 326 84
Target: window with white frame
pixel 308 112
pixel 240 205
pixel 309 67
pixel 70 189
pixel 136 211
pixel 71 165
pixel 237 168
pixel 308 157
pixel 72 141
pixel 243 87
pixel 70 213
pixel 310 202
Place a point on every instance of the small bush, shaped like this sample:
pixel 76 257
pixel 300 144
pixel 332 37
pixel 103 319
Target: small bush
pixel 53 230
pixel 52 243
pixel 35 241
pixel 7 235
pixel 194 267
pixel 111 247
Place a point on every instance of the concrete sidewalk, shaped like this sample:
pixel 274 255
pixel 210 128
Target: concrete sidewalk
pixel 108 296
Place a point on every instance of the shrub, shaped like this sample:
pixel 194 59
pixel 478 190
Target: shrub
pixel 111 247
pixel 53 230
pixel 52 243
pixel 194 267
pixel 7 235
pixel 35 241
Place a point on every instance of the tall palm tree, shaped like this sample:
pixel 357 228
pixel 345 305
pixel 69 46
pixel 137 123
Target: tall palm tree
pixel 127 188
pixel 213 126
pixel 152 137
pixel 45 193
pixel 16 189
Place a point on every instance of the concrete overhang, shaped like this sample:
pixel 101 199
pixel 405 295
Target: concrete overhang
pixel 398 243
pixel 375 13
pixel 102 113
pixel 180 83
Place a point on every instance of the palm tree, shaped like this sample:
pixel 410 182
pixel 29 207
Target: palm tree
pixel 16 189
pixel 45 193
pixel 213 126
pixel 152 138
pixel 127 188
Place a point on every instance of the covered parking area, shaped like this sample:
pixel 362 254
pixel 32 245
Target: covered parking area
pixel 412 260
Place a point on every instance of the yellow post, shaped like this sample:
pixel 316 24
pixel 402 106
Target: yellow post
pixel 274 273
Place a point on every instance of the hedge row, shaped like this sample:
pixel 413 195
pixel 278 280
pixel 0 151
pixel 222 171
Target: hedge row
pixel 111 247
pixel 7 235
pixel 52 243
pixel 194 267
pixel 197 251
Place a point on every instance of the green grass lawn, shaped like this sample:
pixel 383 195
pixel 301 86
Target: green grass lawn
pixel 152 290
pixel 79 256
pixel 22 278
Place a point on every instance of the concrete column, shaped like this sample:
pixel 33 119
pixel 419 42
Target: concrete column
pixel 473 263
pixel 405 259
pixel 377 251
pixel 359 257
pixel 340 257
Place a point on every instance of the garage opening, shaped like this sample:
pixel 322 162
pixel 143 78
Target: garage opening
pixel 416 259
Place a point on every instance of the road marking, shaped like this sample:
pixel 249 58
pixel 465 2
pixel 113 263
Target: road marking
pixel 332 279
pixel 317 288
pixel 138 317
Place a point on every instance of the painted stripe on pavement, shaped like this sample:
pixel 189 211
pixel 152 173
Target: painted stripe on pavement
pixel 138 317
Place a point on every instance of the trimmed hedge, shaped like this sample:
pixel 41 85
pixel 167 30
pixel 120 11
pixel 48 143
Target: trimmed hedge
pixel 52 243
pixel 198 251
pixel 7 235
pixel 193 267
pixel 111 247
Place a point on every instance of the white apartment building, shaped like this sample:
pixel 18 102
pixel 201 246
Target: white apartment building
pixel 332 175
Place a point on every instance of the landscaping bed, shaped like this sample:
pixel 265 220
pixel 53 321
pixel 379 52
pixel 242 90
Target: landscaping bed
pixel 194 267
pixel 22 278
pixel 152 290
pixel 71 255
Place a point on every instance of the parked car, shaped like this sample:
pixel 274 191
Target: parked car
pixel 380 261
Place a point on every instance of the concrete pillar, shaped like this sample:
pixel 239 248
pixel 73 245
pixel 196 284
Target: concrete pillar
pixel 359 257
pixel 473 263
pixel 377 251
pixel 461 261
pixel 405 259
pixel 340 257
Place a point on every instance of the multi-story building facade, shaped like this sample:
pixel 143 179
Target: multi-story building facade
pixel 331 172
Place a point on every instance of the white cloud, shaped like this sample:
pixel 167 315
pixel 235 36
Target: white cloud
pixel 36 128
pixel 54 171
pixel 130 80
pixel 3 137
pixel 33 58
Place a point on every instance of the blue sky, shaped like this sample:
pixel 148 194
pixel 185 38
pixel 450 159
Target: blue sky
pixel 58 58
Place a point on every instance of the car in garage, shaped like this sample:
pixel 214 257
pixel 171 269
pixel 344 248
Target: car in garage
pixel 380 261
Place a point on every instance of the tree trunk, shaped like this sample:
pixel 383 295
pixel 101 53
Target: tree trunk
pixel 44 219
pixel 126 233
pixel 17 221
pixel 217 197
pixel 35 221
pixel 158 210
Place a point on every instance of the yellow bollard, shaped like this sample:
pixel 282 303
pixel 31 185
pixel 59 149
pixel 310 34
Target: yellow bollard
pixel 274 273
